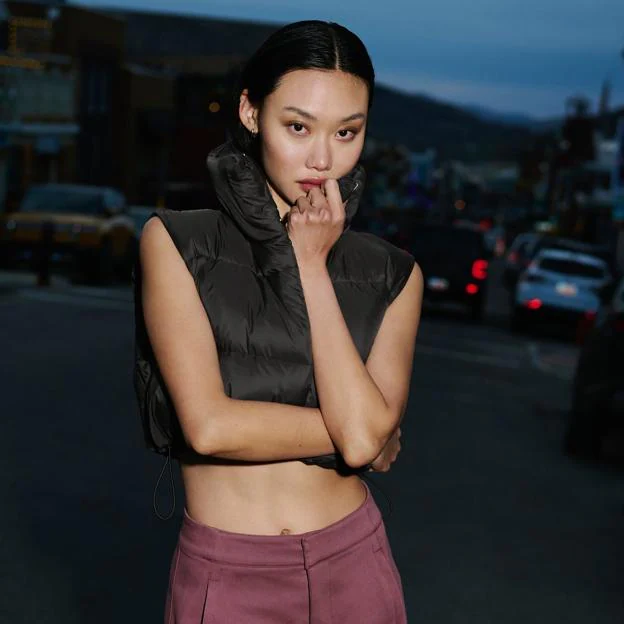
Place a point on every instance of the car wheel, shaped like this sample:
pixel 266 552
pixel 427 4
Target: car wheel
pixel 98 267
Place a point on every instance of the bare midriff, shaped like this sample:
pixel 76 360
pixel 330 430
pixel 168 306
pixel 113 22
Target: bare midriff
pixel 284 498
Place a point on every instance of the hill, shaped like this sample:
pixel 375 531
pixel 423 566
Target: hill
pixel 420 122
pixel 417 121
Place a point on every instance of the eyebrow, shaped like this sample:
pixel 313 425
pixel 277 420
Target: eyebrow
pixel 299 111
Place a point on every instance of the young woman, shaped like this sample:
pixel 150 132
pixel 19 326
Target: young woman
pixel 283 343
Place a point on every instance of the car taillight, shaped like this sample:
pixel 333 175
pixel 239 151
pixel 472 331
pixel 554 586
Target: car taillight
pixel 479 269
pixel 472 289
pixel 533 304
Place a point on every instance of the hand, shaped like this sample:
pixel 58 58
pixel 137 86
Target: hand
pixel 389 453
pixel 315 223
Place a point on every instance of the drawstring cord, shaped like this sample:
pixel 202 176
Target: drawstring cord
pixel 173 494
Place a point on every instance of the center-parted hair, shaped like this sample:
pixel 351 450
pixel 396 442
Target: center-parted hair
pixel 311 44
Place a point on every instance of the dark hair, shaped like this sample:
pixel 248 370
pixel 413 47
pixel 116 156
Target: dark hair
pixel 310 44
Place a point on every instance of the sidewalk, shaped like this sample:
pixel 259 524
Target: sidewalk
pixel 12 281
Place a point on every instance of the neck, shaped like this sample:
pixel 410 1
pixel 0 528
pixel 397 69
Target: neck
pixel 283 207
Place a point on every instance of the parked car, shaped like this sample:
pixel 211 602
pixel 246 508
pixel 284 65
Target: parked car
pixel 140 215
pixel 495 240
pixel 525 248
pixel 454 262
pixel 518 258
pixel 559 286
pixel 598 386
pixel 86 227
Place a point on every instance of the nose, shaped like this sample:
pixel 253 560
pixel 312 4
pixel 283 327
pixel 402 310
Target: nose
pixel 320 156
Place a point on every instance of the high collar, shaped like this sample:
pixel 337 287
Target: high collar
pixel 242 189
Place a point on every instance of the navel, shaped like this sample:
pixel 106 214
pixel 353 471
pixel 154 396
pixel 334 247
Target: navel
pixel 285 532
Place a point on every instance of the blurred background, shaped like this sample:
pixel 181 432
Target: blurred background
pixel 495 155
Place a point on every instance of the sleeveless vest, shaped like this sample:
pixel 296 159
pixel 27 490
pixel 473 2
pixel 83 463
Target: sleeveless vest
pixel 243 264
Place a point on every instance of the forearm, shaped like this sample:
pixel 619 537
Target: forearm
pixel 353 408
pixel 258 431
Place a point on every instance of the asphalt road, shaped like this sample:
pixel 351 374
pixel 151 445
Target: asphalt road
pixel 490 522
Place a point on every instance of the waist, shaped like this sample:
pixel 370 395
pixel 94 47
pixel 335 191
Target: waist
pixel 267 499
pixel 219 545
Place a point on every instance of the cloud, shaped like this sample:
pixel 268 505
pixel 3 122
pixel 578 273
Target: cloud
pixel 519 56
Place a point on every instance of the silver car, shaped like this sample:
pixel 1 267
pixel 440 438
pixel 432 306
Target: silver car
pixel 561 286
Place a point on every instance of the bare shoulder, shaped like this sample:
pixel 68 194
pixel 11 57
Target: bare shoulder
pixel 414 286
pixel 153 236
pixel 159 257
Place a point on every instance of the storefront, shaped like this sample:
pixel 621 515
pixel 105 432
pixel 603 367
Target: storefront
pixel 34 154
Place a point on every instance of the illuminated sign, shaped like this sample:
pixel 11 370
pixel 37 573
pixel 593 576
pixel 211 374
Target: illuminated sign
pixel 27 34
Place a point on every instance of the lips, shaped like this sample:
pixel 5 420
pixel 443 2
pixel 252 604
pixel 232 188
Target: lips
pixel 311 183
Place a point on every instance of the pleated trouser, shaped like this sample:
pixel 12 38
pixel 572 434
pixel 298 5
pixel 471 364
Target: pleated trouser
pixel 342 574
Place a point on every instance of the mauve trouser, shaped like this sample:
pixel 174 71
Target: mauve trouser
pixel 342 574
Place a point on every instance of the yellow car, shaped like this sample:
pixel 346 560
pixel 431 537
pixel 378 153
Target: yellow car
pixel 87 227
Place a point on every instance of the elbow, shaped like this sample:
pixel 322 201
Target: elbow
pixel 200 445
pixel 202 426
pixel 363 446
pixel 202 438
pixel 360 453
pixel 199 442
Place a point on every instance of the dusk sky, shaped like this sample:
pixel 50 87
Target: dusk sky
pixel 522 57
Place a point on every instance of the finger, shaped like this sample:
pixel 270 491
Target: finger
pixel 334 200
pixel 317 199
pixel 302 204
pixel 295 215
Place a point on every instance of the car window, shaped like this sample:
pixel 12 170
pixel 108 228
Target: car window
pixel 114 201
pixel 601 253
pixel 571 268
pixel 57 200
pixel 520 244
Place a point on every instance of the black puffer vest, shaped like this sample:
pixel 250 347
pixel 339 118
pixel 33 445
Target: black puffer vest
pixel 246 274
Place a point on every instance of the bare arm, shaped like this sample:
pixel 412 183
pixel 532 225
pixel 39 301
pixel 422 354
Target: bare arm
pixel 362 404
pixel 184 346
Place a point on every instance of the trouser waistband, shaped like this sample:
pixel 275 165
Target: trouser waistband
pixel 300 549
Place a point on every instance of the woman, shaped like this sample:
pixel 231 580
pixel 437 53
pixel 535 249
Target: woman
pixel 283 343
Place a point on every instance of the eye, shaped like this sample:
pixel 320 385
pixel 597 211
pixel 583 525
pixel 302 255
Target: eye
pixel 347 133
pixel 296 127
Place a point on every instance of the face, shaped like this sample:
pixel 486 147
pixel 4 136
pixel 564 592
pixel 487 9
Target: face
pixel 312 128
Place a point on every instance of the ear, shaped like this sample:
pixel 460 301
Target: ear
pixel 247 112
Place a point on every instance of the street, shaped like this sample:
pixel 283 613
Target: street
pixel 490 521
